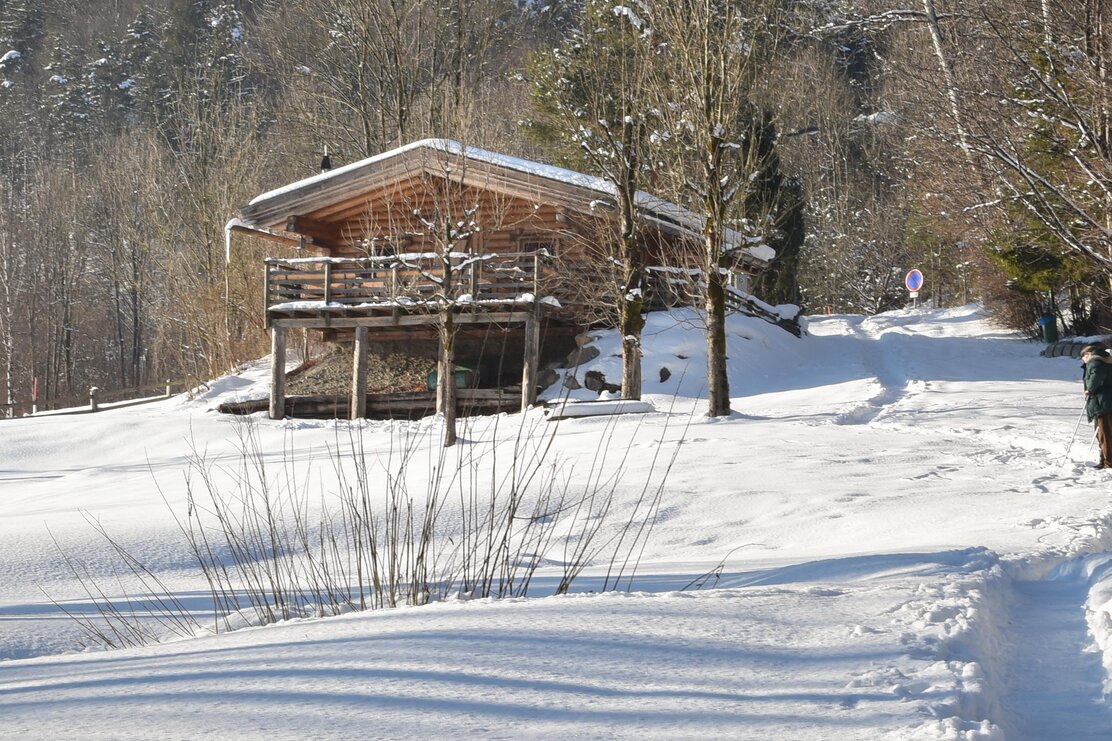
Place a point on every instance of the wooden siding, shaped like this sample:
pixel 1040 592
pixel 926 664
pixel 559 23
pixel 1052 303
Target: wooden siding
pixel 376 230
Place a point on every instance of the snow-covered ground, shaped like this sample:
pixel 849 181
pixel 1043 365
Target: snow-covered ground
pixel 886 540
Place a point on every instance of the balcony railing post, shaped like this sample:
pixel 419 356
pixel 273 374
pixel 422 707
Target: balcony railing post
pixel 537 275
pixel 266 294
pixel 328 282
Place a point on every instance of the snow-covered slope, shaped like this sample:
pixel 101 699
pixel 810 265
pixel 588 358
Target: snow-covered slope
pixel 886 540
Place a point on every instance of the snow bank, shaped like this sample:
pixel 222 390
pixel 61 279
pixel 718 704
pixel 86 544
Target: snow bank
pixel 675 357
pixel 1098 611
pixel 952 627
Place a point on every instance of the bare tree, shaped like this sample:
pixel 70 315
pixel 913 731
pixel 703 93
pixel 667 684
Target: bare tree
pixel 430 229
pixel 595 94
pixel 710 76
pixel 371 74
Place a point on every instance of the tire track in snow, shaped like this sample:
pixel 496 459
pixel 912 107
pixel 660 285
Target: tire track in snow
pixel 879 359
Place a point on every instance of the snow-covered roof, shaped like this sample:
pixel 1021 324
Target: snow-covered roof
pixel 654 208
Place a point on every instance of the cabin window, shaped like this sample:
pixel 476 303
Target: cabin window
pixel 537 244
pixel 740 281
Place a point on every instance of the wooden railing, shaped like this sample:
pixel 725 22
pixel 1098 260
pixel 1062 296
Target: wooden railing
pixel 328 282
pixel 325 285
pixel 669 286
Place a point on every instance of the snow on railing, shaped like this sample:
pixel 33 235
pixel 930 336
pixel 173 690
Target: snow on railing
pixel 685 286
pixel 337 282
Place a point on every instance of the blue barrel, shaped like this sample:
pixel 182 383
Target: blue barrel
pixel 1049 328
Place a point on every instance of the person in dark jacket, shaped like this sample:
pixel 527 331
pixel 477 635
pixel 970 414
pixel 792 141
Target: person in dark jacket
pixel 1098 397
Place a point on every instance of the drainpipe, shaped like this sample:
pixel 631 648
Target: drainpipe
pixel 242 227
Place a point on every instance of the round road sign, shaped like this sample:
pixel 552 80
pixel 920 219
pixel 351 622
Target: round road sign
pixel 914 280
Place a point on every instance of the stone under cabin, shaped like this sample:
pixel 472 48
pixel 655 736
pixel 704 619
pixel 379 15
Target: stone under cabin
pixel 437 246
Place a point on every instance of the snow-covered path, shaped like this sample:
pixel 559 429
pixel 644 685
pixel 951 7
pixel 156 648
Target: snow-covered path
pixel 1054 678
pixel 851 519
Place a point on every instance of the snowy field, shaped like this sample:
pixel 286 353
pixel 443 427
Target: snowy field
pixel 887 540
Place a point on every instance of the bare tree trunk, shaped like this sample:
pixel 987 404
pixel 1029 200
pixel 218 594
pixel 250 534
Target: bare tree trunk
pixel 8 283
pixel 948 79
pixel 8 337
pixel 632 301
pixel 631 325
pixel 118 315
pixel 718 379
pixel 136 322
pixel 446 375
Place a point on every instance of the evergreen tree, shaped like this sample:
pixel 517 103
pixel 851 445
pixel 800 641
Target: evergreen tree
pixel 23 30
pixel 219 49
pixel 103 78
pixel 142 78
pixel 67 103
pixel 775 205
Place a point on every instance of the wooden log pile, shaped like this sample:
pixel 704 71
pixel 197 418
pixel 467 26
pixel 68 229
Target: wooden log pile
pixel 403 405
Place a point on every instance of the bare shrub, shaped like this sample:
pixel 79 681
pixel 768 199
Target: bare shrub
pixel 274 538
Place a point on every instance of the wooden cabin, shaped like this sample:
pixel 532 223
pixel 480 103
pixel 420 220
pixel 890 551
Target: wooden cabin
pixel 511 251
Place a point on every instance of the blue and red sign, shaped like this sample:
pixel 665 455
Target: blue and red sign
pixel 914 280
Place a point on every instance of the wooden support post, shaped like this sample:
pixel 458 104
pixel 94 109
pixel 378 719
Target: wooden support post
pixel 531 356
pixel 278 372
pixel 359 375
pixel 327 293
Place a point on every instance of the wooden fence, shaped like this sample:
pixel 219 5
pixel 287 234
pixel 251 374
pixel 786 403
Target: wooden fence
pixel 95 400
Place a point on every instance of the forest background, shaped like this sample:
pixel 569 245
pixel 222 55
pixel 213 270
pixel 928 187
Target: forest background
pixel 972 140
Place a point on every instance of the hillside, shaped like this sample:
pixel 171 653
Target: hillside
pixel 885 540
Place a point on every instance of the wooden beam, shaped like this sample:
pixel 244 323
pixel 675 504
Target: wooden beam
pixel 384 406
pixel 289 241
pixel 359 375
pixel 324 234
pixel 501 317
pixel 386 199
pixel 278 372
pixel 532 358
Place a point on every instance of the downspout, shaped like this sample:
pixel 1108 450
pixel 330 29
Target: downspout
pixel 242 227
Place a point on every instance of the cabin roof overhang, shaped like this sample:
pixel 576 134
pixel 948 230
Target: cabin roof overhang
pixel 483 169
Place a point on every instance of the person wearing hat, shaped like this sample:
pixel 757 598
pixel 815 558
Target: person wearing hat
pixel 1098 396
